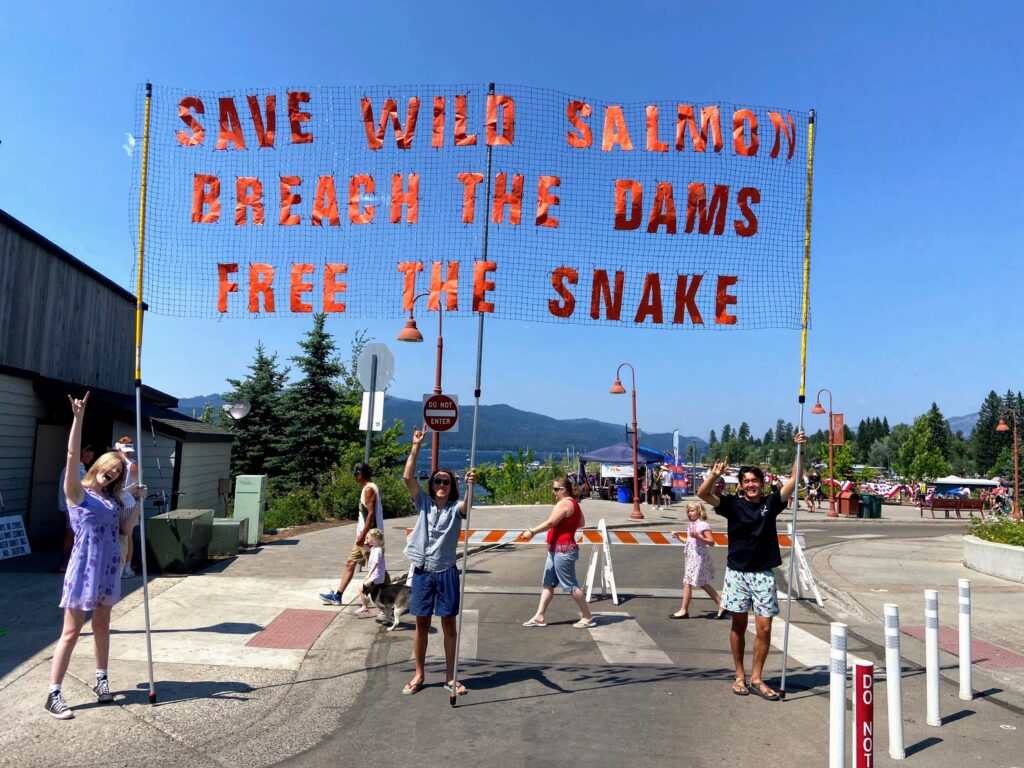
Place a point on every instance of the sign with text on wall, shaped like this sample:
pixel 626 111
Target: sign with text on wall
pixel 13 539
pixel 669 213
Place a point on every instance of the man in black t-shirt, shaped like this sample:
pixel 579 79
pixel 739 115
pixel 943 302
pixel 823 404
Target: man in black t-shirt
pixel 753 553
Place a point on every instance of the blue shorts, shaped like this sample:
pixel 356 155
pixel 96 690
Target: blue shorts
pixel 560 570
pixel 435 594
pixel 746 590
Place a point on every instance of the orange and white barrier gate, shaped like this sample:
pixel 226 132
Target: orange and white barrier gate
pixel 593 536
pixel 607 574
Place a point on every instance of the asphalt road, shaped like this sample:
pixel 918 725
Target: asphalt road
pixel 638 690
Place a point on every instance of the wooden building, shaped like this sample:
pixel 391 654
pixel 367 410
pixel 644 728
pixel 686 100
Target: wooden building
pixel 64 329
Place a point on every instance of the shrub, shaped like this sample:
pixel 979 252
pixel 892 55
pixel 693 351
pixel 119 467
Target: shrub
pixel 1001 530
pixel 296 507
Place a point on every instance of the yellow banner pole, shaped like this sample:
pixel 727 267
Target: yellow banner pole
pixel 803 382
pixel 138 381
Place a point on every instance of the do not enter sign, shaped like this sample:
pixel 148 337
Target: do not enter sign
pixel 441 413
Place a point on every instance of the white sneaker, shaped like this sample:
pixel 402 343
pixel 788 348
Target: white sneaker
pixel 128 572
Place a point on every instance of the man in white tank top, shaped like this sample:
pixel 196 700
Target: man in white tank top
pixel 371 515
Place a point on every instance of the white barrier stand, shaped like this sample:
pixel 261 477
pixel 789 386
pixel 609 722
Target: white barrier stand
pixel 966 689
pixel 607 573
pixel 894 681
pixel 931 656
pixel 805 579
pixel 863 714
pixel 837 697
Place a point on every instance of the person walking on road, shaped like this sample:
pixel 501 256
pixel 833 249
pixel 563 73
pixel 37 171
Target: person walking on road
pixel 371 515
pixel 432 551
pixel 92 581
pixel 560 568
pixel 700 570
pixel 753 554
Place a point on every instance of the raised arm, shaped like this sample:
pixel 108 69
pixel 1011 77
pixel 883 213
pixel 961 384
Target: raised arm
pixel 72 483
pixel 409 474
pixel 786 492
pixel 706 492
pixel 467 503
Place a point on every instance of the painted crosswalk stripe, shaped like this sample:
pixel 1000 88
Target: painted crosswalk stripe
pixel 470 639
pixel 622 640
pixel 862 536
pixel 804 648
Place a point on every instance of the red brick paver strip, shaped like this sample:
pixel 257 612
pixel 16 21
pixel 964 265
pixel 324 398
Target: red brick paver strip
pixel 294 628
pixel 983 654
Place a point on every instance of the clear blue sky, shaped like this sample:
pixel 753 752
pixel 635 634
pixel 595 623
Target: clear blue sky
pixel 918 234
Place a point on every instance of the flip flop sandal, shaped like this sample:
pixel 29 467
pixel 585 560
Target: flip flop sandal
pixel 584 624
pixel 762 690
pixel 534 623
pixel 742 690
pixel 412 688
pixel 459 688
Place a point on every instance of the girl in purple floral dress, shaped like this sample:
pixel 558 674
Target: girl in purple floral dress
pixel 92 581
pixel 700 571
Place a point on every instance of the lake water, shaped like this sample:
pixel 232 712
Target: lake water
pixel 458 458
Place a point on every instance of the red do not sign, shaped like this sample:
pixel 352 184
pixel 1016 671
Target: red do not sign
pixel 440 413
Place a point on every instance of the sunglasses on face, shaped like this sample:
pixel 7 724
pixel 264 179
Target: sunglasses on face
pixel 558 488
pixel 442 482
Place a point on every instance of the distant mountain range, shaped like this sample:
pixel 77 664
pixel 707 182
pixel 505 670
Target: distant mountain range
pixel 963 424
pixel 504 428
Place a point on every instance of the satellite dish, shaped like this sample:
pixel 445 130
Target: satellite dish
pixel 237 410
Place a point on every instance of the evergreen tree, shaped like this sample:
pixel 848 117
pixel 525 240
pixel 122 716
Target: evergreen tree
pixel 938 431
pixel 712 439
pixel 207 415
pixel 885 426
pixel 769 437
pixel 312 437
pixel 255 450
pixel 985 442
pixel 744 433
pixel 726 433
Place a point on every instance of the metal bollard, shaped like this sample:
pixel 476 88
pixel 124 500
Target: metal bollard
pixel 966 690
pixel 931 656
pixel 837 698
pixel 894 681
pixel 863 715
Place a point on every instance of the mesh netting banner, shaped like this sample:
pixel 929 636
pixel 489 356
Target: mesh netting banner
pixel 671 214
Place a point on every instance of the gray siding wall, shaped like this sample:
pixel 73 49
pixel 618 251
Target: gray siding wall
pixel 202 466
pixel 156 478
pixel 60 321
pixel 19 410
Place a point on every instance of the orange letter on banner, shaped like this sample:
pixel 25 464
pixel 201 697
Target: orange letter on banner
pixel 469 180
pixel 230 126
pixel 195 134
pixel 723 299
pixel 205 192
pixel 650 302
pixel 450 286
pixel 288 199
pixel 326 203
pixel 780 127
pixel 299 287
pixel 246 199
pixel 653 144
pixel 636 194
pixel 264 132
pixel 514 199
pixel 261 280
pixel 481 285
pixel 224 285
pixel 409 269
pixel 357 213
pixel 663 199
pixel 461 139
pixel 739 144
pixel 437 137
pixel 296 117
pixel 567 305
pixel 709 116
pixel 333 287
pixel 410 199
pixel 686 300
pixel 615 130
pixel 390 112
pixel 697 205
pixel 746 197
pixel 601 289
pixel 575 113
pixel 545 200
pixel 508 119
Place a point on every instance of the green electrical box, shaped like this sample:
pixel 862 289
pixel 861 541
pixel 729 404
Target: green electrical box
pixel 179 540
pixel 251 505
pixel 228 536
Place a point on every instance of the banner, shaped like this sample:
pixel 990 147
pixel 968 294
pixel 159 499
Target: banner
pixel 838 429
pixel 668 213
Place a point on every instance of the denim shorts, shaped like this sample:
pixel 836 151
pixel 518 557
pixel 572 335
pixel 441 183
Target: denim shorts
pixel 560 570
pixel 435 594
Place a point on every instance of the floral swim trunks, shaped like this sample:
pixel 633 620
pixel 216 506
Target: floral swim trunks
pixel 750 589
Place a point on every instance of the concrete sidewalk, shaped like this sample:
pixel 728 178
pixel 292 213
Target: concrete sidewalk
pixel 251 667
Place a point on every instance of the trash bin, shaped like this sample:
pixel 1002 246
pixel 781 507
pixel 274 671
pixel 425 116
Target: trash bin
pixel 623 495
pixel 876 506
pixel 848 503
pixel 865 506
pixel 179 540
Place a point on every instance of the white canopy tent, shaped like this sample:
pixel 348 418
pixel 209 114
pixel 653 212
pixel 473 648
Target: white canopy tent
pixel 960 482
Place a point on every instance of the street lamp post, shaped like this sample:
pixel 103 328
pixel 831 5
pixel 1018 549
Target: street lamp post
pixel 618 389
pixel 831 458
pixel 1001 427
pixel 411 333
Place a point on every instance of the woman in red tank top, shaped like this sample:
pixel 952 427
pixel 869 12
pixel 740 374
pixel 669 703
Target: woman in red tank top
pixel 560 568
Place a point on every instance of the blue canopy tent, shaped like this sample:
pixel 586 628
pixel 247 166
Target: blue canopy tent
pixel 622 453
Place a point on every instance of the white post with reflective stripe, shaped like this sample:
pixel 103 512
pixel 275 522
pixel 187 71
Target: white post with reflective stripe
pixel 964 590
pixel 837 697
pixel 931 656
pixel 894 681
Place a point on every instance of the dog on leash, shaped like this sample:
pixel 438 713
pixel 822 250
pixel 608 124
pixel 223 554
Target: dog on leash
pixel 393 599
